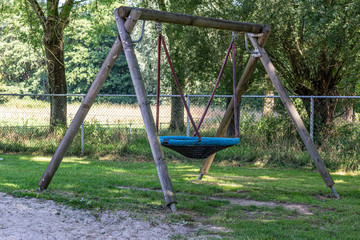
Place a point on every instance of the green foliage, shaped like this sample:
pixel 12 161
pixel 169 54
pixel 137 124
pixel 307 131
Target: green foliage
pixel 197 53
pixel 313 45
pixel 347 148
pixel 21 60
pixel 271 141
pixel 3 99
pixel 88 41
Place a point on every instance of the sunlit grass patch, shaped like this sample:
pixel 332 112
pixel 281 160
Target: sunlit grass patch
pixel 234 202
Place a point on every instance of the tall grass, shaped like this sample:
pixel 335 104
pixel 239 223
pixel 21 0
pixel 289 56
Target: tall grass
pixel 268 141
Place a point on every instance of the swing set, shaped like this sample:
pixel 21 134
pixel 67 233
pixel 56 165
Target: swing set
pixel 195 146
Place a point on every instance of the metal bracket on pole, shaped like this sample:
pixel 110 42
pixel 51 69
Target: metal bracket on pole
pixel 256 53
pixel 255 34
pixel 158 27
pixel 234 36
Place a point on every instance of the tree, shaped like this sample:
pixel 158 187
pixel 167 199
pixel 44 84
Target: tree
pixel 313 44
pixel 19 63
pixel 54 17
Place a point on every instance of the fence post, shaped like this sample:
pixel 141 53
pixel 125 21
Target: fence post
pixel 312 118
pixel 187 118
pixel 82 133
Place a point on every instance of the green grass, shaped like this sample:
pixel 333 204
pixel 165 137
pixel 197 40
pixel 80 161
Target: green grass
pixel 94 184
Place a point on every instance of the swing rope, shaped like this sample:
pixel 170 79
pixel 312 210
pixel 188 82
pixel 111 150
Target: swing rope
pixel 158 25
pixel 231 47
pixel 236 117
pixel 195 147
pixel 161 39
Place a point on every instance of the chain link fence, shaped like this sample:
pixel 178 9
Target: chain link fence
pixel 114 126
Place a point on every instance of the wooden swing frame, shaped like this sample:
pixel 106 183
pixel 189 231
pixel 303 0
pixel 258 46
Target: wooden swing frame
pixel 126 18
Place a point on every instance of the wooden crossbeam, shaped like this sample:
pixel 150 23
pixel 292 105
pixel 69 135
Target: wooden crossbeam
pixel 185 19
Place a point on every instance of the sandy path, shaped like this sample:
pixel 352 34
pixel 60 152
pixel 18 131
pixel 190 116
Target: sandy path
pixel 22 218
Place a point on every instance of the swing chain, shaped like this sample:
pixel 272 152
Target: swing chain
pixel 256 53
pixel 158 28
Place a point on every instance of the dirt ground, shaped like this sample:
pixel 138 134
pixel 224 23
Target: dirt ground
pixel 29 218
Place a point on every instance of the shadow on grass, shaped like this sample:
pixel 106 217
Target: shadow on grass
pixel 100 179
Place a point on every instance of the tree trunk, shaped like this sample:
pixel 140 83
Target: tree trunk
pixel 54 49
pixel 324 110
pixel 318 78
pixel 177 112
pixel 230 131
pixel 54 23
pixel 349 112
pixel 269 103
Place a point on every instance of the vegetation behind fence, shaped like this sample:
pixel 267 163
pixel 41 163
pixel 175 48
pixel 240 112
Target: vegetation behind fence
pixel 115 130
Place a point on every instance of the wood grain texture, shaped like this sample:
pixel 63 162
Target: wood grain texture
pixel 147 116
pixel 294 115
pixel 185 19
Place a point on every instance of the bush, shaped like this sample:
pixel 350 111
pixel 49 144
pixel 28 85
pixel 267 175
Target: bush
pixel 266 141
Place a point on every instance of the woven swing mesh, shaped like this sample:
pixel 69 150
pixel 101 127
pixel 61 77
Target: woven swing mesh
pixel 191 147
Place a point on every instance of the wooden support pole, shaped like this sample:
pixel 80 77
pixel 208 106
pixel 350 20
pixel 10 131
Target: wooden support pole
pixel 185 19
pixel 84 108
pixel 146 113
pixel 319 163
pixel 240 88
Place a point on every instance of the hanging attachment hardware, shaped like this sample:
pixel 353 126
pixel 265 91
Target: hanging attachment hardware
pixel 158 28
pixel 234 36
pixel 256 53
pixel 142 33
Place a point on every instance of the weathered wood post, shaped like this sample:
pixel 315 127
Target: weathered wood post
pixel 240 88
pixel 146 113
pixel 294 115
pixel 85 106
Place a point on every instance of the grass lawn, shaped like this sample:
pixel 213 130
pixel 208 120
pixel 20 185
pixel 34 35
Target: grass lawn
pixel 132 185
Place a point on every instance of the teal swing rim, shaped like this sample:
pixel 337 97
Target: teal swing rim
pixel 194 141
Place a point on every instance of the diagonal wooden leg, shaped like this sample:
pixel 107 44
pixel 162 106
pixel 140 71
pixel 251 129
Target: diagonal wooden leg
pixel 240 88
pixel 304 134
pixel 147 116
pixel 85 107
